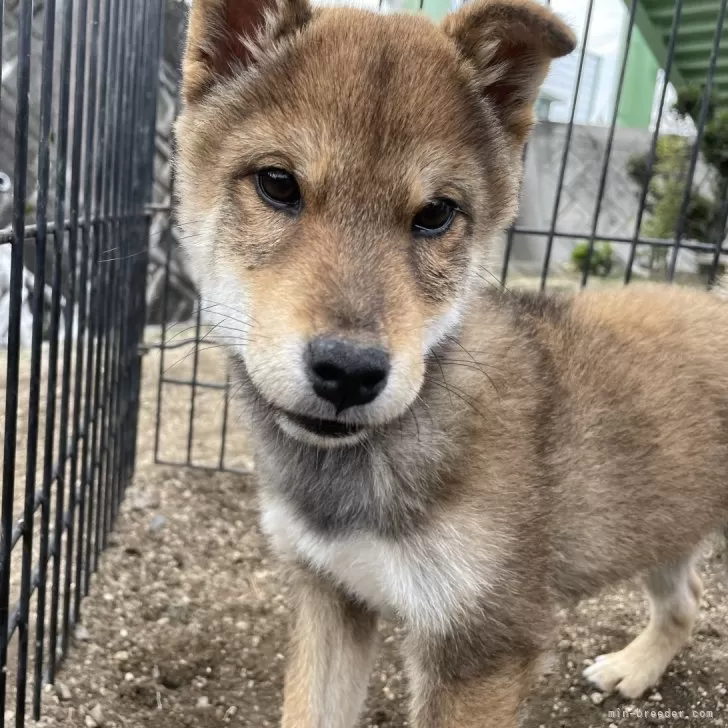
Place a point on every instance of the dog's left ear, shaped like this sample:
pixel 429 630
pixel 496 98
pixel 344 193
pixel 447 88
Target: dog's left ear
pixel 511 44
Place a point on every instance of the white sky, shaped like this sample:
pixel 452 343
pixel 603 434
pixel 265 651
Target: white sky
pixel 605 39
pixel 606 25
pixel 606 22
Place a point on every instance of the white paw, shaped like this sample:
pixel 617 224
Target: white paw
pixel 625 671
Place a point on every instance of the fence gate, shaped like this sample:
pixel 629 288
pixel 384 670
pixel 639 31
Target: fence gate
pixel 77 111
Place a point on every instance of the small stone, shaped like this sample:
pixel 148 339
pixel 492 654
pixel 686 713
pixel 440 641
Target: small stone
pixel 144 500
pixel 597 698
pixel 97 715
pixel 81 633
pixel 565 644
pixel 63 691
pixel 203 702
pixel 710 629
pixel 89 722
pixel 121 656
pixel 157 523
pixel 129 677
pixel 656 697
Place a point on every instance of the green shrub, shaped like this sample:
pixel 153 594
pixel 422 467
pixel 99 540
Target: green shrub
pixel 668 183
pixel 601 261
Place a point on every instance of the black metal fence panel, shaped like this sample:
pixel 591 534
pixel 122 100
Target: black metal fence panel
pixel 75 254
pixel 603 203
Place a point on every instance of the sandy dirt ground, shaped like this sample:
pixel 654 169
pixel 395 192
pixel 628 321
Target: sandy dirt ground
pixel 187 619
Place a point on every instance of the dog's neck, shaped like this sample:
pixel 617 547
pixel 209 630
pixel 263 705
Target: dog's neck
pixel 386 484
pixel 392 480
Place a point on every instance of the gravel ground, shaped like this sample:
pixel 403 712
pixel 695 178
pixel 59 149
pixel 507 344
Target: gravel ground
pixel 187 620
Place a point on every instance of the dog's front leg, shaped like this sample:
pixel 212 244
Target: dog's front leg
pixel 488 696
pixel 330 657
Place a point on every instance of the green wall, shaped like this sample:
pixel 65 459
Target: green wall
pixel 635 107
pixel 435 9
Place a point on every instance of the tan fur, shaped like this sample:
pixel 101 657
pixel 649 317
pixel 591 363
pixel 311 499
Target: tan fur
pixel 332 646
pixel 495 698
pixel 674 591
pixel 526 450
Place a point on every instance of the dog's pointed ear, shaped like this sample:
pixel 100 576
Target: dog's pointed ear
pixel 511 44
pixel 225 36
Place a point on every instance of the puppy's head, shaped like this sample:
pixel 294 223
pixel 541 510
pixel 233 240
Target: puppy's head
pixel 341 176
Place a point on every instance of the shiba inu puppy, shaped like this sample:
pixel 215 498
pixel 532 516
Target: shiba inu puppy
pixel 459 457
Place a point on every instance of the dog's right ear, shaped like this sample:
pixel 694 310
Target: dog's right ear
pixel 227 36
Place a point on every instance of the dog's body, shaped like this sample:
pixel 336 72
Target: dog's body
pixel 461 458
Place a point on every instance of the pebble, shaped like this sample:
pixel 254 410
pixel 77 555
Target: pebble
pixel 203 702
pixel 709 629
pixel 81 633
pixel 656 697
pixel 597 698
pixel 63 691
pixel 158 522
pixel 145 499
pixel 97 715
pixel 121 656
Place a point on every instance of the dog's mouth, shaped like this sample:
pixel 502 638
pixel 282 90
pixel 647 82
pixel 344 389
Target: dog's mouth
pixel 322 427
pixel 314 430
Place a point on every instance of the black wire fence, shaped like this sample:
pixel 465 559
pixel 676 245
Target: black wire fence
pixel 601 204
pixel 83 106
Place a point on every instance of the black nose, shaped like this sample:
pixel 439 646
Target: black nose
pixel 345 373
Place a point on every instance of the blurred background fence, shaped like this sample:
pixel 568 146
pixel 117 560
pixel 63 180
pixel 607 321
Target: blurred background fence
pixel 626 179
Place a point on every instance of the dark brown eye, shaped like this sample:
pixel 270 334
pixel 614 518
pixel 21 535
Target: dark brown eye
pixel 278 188
pixel 435 218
